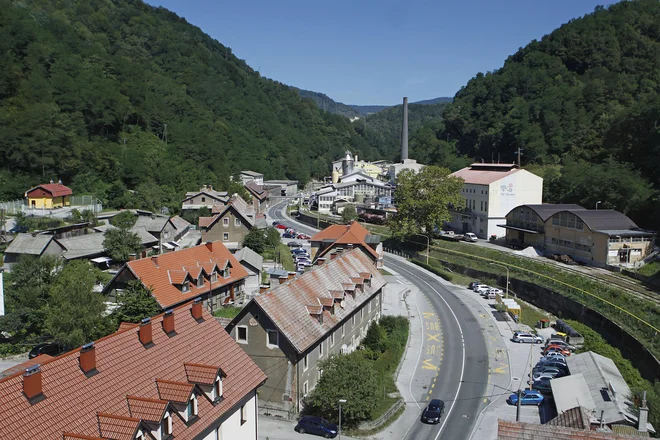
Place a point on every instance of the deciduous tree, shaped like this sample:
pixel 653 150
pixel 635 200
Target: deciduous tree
pixel 349 214
pixel 136 303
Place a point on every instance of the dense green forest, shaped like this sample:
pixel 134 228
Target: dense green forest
pixel 112 96
pixel 583 105
pixel 327 104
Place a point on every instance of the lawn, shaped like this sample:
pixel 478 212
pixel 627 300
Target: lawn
pixel 226 312
pixel 384 272
pixel 530 315
pixel 650 270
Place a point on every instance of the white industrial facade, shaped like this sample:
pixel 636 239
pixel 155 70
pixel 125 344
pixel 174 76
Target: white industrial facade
pixel 491 191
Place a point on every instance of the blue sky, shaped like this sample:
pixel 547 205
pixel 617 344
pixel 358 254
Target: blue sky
pixel 376 52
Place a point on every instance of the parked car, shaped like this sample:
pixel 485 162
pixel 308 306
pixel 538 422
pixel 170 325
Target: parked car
pixel 495 291
pixel 470 237
pixel 481 288
pixel 560 343
pixel 474 284
pixel 555 349
pixel 527 337
pixel 489 295
pixel 298 251
pixel 557 363
pixel 49 348
pixel 553 354
pixel 559 335
pixel 527 397
pixel 294 244
pixel 539 376
pixel 433 411
pixel 288 235
pixel 545 369
pixel 303 237
pixel 316 425
pixel 543 386
pixel 275 223
pixel 280 226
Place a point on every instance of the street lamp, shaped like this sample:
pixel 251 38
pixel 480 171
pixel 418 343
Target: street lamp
pixel 428 246
pixel 598 203
pixel 507 277
pixel 339 430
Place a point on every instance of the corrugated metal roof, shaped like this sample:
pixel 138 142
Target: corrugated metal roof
pixel 547 210
pixel 598 219
pixel 572 391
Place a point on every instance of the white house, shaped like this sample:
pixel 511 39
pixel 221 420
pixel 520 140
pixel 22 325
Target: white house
pixel 252 262
pixel 491 190
pixel 252 176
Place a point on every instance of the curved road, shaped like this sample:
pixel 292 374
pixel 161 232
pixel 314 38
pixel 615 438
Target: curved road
pixel 462 372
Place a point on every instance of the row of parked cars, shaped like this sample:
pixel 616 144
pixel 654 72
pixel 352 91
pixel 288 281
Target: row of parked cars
pixel 302 259
pixel 290 232
pixel 485 290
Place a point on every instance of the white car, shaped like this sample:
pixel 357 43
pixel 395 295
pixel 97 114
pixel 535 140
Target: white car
pixel 470 237
pixel 495 291
pixel 527 338
pixel 482 288
pixel 544 376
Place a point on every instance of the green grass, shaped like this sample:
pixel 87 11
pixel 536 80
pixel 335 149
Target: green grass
pixel 384 272
pixel 650 270
pixel 367 432
pixel 530 315
pixel 227 312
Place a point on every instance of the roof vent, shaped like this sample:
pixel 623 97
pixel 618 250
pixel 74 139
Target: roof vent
pixel 32 382
pixel 196 309
pixel 168 322
pixel 154 258
pixel 145 332
pixel 88 358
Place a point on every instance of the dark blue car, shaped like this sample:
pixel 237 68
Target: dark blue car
pixel 316 425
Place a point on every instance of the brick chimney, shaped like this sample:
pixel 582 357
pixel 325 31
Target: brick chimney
pixel 145 331
pixel 320 261
pixel 291 276
pixel 196 309
pixel 209 246
pixel 132 257
pixel 88 358
pixel 333 255
pixel 154 259
pixel 283 279
pixel 32 382
pixel 263 288
pixel 168 322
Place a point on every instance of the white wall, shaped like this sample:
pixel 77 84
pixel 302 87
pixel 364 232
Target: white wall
pixel 232 429
pixel 521 188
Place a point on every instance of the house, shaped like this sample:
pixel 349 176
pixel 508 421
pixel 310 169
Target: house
pixel 206 197
pixel 275 275
pixel 48 196
pixel 160 226
pixel 288 329
pixel 491 190
pixel 252 262
pixel 598 237
pixel 154 380
pixel 182 227
pixel 29 244
pixel 208 271
pixel 259 196
pixel 251 176
pixel 288 188
pixel 229 224
pixel 512 430
pixel 353 235
pixel 597 384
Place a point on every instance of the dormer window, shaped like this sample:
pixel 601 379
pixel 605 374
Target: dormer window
pixel 185 287
pixel 192 409
pixel 217 389
pixel 200 280
pixel 214 277
pixel 225 273
pixel 166 425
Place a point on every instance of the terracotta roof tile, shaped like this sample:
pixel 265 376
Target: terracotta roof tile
pixel 174 391
pixel 70 436
pixel 289 305
pixel 354 234
pixel 510 430
pixel 55 189
pixel 153 272
pixel 327 302
pixel 204 222
pixel 178 276
pixel 125 367
pixel 314 309
pixel 118 427
pixel 143 408
pixel 199 373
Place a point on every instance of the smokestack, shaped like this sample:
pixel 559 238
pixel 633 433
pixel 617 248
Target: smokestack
pixel 404 131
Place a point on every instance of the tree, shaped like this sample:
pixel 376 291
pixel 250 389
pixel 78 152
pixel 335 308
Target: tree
pixel 76 314
pixel 124 220
pixel 255 240
pixel 136 303
pixel 273 237
pixel 121 243
pixel 349 377
pixel 423 200
pixel 349 214
pixel 376 338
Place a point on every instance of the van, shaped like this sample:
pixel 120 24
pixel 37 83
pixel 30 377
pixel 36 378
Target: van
pixel 470 237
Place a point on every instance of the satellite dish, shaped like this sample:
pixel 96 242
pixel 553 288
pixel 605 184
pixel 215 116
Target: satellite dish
pixel 342 304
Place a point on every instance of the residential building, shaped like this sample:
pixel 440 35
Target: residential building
pixel 48 196
pixel 208 271
pixel 181 225
pixel 290 328
pixel 262 194
pixel 229 224
pixel 597 384
pixel 350 236
pixel 251 176
pixel 252 262
pixel 594 236
pixel 491 190
pixel 154 380
pixel 512 430
pixel 160 226
pixel 206 197
pixel 288 188
pixel 29 244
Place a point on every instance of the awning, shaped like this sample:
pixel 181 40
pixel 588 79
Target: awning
pixel 515 228
pixel 167 245
pixel 99 260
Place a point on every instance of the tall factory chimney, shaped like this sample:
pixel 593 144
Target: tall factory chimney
pixel 404 131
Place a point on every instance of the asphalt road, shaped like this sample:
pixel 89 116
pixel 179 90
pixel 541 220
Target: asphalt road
pixel 462 373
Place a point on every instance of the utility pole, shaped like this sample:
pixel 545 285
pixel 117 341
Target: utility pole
pixel 519 150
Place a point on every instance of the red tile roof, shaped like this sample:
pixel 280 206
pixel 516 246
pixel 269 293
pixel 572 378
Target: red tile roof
pixel 199 373
pixel 161 273
pixel 69 436
pixel 20 368
pixel 97 405
pixel 509 430
pixel 204 222
pixel 151 410
pixel 289 305
pixel 174 391
pixel 353 233
pixel 55 189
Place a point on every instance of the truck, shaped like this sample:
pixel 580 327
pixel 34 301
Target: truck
pixel 450 236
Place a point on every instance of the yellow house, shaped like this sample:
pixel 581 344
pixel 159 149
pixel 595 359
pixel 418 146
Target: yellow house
pixel 49 196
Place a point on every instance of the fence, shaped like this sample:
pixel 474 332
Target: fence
pixel 13 207
pixel 81 203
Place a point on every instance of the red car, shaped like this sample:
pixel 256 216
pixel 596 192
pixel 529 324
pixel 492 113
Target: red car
pixel 556 349
pixel 280 226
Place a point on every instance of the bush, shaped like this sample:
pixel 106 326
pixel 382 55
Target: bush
pixel 439 272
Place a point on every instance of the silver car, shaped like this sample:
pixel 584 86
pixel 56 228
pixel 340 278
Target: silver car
pixel 527 337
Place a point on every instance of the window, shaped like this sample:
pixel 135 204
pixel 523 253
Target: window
pixel 214 277
pixel 192 407
pixel 305 363
pixel 217 389
pixel 482 205
pixel 241 334
pixel 353 320
pixel 237 222
pixel 369 307
pixel 225 222
pixel 243 415
pixel 203 199
pixel 305 388
pixel 200 281
pixel 225 236
pixel 166 424
pixel 272 338
pixel 185 286
pixel 332 339
pixel 321 349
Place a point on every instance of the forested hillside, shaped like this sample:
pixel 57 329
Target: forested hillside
pixel 583 105
pixel 325 103
pixel 117 95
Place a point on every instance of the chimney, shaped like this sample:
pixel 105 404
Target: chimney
pixel 196 309
pixel 263 288
pixel 154 259
pixel 32 382
pixel 320 261
pixel 88 358
pixel 643 415
pixel 145 331
pixel 404 131
pixel 168 322
pixel 291 275
pixel 333 255
pixel 132 257
pixel 283 279
pixel 209 246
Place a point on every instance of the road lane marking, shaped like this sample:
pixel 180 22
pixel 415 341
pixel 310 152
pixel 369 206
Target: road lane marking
pixel 429 315
pixel 427 365
pixel 433 337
